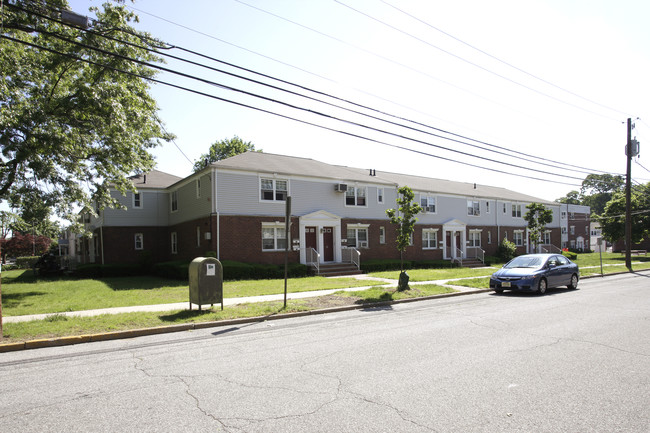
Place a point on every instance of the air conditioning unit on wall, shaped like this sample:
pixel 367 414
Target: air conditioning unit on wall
pixel 340 187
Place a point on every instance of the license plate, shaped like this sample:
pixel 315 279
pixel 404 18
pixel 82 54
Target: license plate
pixel 505 284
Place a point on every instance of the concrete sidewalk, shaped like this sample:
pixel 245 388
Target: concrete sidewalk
pixel 226 301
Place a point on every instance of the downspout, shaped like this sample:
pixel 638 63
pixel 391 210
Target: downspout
pixel 215 210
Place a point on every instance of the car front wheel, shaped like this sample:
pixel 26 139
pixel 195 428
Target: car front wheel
pixel 574 282
pixel 541 286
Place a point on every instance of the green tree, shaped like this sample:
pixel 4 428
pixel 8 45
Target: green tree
pixel 506 250
pixel 572 197
pixel 223 149
pixel 612 220
pixel 537 217
pixel 598 189
pixel 74 120
pixel 404 218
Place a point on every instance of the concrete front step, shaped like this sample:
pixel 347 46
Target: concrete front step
pixel 338 269
pixel 472 263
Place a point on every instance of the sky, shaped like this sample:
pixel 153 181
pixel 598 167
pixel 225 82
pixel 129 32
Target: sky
pixel 550 79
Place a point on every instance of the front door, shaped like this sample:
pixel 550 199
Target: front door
pixel 328 244
pixel 310 238
pixel 448 244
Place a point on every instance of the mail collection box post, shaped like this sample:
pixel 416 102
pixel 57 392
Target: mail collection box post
pixel 206 281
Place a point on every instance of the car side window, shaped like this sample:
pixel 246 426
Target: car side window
pixel 553 261
pixel 563 260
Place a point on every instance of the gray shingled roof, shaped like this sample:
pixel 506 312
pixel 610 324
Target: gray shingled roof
pixel 290 165
pixel 154 179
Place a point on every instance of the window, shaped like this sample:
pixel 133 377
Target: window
pixel 382 235
pixel 473 208
pixel 429 239
pixel 563 215
pixel 489 237
pixel 357 237
pixel 474 238
pixel 274 237
pixel 428 203
pixel 198 188
pixel 516 210
pixel 139 241
pixel 198 236
pixel 487 207
pixel 547 238
pixel 174 243
pixel 137 200
pixel 563 230
pixel 274 189
pixel 518 238
pixel 380 195
pixel 355 196
pixel 572 230
pixel 174 201
pixel 504 208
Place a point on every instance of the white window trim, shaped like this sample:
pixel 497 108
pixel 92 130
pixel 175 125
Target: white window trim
pixel 435 203
pixel 135 241
pixel 436 238
pixel 356 197
pixel 171 201
pixel 469 238
pixel 380 197
pixel 357 227
pixel 174 241
pixel 514 237
pixel 514 207
pixel 474 202
pixel 274 180
pixel 275 226
pixel 487 208
pixel 382 235
pixel 133 200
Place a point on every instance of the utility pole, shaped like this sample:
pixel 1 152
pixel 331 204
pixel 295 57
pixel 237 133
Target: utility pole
pixel 628 198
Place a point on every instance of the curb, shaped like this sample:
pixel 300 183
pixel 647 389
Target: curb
pixel 132 333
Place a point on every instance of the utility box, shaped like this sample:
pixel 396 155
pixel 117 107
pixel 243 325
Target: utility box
pixel 206 281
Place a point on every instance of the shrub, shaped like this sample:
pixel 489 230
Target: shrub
pixel 176 270
pixel 491 260
pixel 570 255
pixel 378 265
pixel 507 250
pixel 88 271
pixel 26 262
pixel 434 264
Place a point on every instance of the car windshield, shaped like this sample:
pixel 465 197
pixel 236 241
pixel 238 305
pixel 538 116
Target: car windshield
pixel 524 262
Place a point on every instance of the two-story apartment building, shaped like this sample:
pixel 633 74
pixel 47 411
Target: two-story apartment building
pixel 576 222
pixel 236 207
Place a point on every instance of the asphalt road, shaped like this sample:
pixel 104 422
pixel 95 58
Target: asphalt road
pixel 569 361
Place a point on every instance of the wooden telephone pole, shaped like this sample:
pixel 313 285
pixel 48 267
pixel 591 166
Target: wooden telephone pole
pixel 628 198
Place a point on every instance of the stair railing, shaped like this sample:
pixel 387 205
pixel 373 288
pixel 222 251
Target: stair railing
pixel 313 259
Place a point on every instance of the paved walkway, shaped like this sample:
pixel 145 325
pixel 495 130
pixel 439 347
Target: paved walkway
pixel 226 301
pixel 249 299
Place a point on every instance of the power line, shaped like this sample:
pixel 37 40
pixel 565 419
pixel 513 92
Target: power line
pixel 292 106
pixel 354 135
pixel 545 160
pixel 502 61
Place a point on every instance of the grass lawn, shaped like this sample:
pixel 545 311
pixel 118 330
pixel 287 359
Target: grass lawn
pixel 23 294
pixel 59 325
pixel 418 275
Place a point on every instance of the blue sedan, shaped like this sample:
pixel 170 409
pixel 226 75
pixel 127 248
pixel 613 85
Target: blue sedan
pixel 536 273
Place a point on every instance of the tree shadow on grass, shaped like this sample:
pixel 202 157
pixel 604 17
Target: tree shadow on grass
pixel 13 300
pixel 141 283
